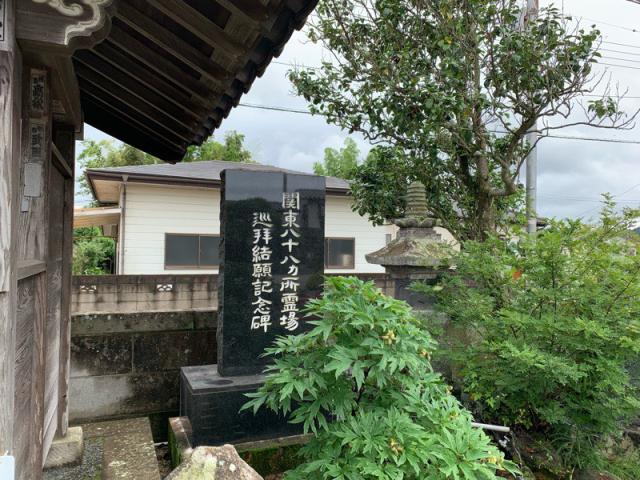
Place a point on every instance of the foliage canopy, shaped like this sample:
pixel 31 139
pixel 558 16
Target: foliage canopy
pixel 361 380
pixel 104 153
pixel 339 163
pixel 93 253
pixel 551 326
pixel 448 90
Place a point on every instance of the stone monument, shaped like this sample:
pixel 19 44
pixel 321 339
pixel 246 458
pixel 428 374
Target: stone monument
pixel 272 263
pixel 417 253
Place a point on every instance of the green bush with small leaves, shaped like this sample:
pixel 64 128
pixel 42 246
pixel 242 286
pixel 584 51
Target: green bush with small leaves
pixel 551 324
pixel 362 382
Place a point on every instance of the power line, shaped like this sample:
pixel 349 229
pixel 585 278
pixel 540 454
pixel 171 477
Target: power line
pixel 557 137
pixel 618 66
pixel 619 51
pixel 621 44
pixel 629 29
pixel 614 196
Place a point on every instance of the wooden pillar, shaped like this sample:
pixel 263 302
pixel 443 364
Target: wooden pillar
pixel 34 231
pixel 64 140
pixel 10 114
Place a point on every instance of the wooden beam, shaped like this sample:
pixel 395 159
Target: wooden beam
pixel 10 118
pixel 104 88
pixel 113 124
pixel 29 268
pixel 160 64
pixel 113 76
pixel 131 119
pixel 171 43
pixel 60 161
pixel 149 78
pixel 255 10
pixel 191 19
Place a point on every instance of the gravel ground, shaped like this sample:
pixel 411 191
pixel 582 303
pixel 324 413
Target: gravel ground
pixel 164 459
pixel 89 469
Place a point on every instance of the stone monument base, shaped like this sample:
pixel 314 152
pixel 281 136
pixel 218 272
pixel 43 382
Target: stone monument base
pixel 213 402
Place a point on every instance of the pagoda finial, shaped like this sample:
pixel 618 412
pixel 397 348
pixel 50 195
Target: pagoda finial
pixel 417 212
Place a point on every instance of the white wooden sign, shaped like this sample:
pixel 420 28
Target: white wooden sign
pixel 7 465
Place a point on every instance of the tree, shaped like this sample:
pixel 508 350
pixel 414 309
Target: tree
pixel 232 150
pixel 448 90
pixel 105 154
pixel 93 253
pixel 339 163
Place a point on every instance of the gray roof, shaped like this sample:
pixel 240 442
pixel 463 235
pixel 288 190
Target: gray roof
pixel 188 172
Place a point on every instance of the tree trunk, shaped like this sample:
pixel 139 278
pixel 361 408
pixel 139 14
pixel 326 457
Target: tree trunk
pixel 485 217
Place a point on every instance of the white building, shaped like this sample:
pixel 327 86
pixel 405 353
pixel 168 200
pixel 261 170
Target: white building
pixel 167 219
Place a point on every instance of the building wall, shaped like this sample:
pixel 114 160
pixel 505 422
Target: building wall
pixel 153 210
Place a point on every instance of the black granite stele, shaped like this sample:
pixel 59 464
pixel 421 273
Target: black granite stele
pixel 212 395
pixel 244 193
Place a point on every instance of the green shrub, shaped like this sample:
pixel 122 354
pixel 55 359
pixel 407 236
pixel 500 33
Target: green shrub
pixel 92 252
pixel 551 325
pixel 361 380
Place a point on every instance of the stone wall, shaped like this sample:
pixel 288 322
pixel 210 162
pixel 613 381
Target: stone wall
pixel 143 293
pixel 131 334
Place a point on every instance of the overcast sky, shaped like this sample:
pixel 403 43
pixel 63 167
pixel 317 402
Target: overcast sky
pixel 572 174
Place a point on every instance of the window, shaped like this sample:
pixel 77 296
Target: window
pixel 191 251
pixel 339 253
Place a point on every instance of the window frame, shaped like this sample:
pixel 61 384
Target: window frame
pixel 168 266
pixel 327 266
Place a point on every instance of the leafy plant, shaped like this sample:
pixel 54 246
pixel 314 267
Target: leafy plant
pixel 339 163
pixel 361 381
pixel 551 324
pixel 92 252
pixel 105 153
pixel 450 89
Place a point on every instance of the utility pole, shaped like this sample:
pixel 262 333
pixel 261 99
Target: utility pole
pixel 532 138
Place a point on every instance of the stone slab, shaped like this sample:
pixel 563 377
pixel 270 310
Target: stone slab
pixel 130 455
pixel 66 450
pixel 110 428
pixel 212 403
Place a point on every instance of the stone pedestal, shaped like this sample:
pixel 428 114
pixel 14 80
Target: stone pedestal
pixel 66 450
pixel 212 403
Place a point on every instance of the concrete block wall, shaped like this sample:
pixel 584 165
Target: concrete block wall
pixel 143 293
pixel 131 334
pixel 128 364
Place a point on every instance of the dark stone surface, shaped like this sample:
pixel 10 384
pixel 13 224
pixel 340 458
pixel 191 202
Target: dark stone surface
pixel 213 402
pixel 172 350
pixel 100 355
pixel 245 193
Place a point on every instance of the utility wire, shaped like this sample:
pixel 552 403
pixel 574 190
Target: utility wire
pixel 621 44
pixel 558 137
pixel 614 196
pixel 301 65
pixel 629 29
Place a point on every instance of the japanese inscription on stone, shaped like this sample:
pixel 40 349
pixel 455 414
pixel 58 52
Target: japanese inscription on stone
pixel 272 262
